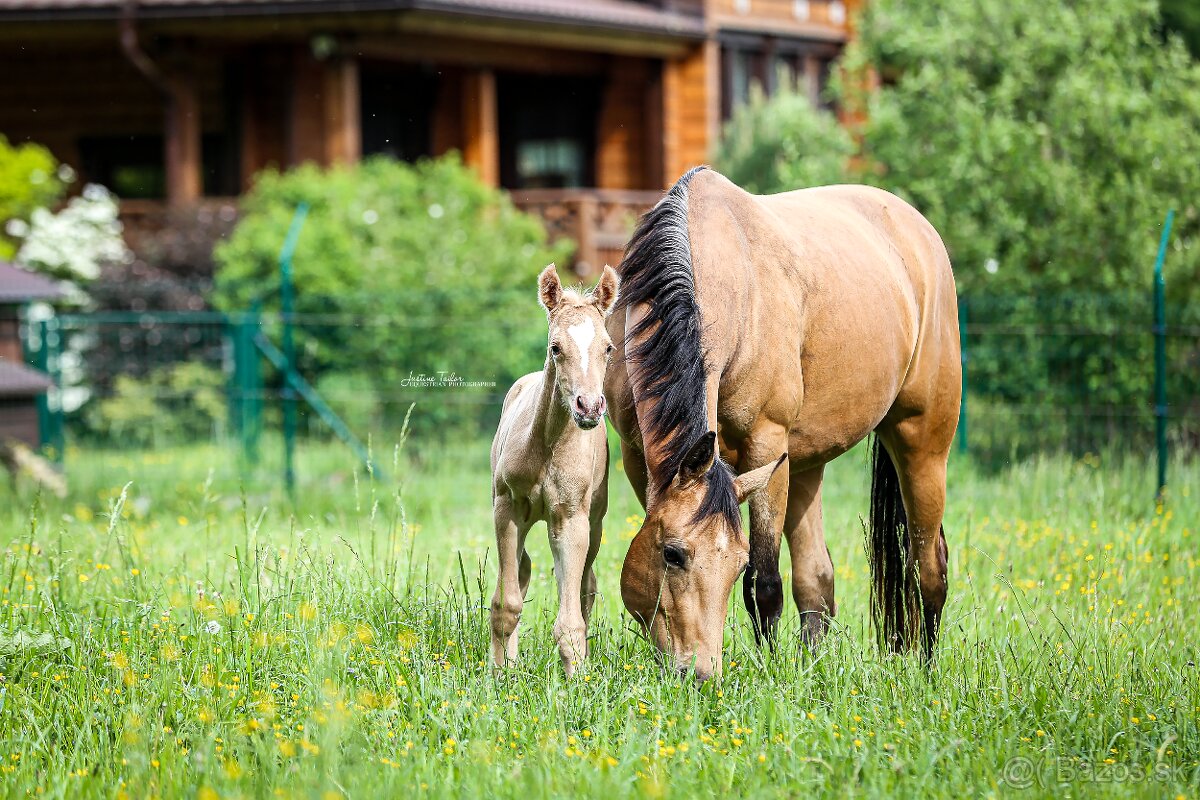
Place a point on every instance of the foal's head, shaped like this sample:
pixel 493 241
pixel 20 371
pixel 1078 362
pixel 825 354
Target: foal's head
pixel 681 566
pixel 578 344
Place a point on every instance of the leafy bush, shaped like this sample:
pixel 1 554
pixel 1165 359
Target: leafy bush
pixel 414 268
pixel 182 402
pixel 783 143
pixel 29 179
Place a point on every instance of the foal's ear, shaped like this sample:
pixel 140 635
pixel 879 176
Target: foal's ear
pixel 748 483
pixel 549 289
pixel 605 293
pixel 699 459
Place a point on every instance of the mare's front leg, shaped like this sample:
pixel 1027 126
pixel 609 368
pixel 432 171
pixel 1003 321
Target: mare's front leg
pixel 513 581
pixel 570 537
pixel 812 567
pixel 762 586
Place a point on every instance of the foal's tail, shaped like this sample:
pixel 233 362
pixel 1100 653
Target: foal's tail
pixel 895 586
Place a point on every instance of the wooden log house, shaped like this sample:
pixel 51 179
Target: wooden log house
pixel 583 109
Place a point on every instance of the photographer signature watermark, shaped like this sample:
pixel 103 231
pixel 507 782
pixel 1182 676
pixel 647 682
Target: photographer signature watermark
pixel 442 380
pixel 1021 772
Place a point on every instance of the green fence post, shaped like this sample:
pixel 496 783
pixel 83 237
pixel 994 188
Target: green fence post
pixel 37 356
pixel 1160 357
pixel 247 381
pixel 286 303
pixel 962 344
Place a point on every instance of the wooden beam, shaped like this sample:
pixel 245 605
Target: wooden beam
pixel 481 140
pixel 182 155
pixel 460 52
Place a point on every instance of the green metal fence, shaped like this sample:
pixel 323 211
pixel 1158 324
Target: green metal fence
pixel 1072 374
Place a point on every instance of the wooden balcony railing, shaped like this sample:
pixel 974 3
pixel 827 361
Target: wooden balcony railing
pixel 600 221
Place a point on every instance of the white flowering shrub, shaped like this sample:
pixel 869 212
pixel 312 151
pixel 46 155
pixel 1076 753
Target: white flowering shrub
pixel 73 243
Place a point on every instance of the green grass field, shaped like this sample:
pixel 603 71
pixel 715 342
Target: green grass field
pixel 186 637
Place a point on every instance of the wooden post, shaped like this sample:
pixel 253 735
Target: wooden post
pixel 587 259
pixel 343 121
pixel 481 141
pixel 182 144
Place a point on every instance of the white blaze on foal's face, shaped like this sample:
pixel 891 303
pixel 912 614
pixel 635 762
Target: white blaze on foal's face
pixel 583 333
pixel 579 346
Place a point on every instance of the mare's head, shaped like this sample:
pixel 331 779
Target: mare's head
pixel 681 566
pixel 579 346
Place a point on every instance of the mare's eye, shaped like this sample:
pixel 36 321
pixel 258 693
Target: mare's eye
pixel 608 350
pixel 674 556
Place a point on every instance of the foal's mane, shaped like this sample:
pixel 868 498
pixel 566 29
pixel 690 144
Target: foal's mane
pixel 657 273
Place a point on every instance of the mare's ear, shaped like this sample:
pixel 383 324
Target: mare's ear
pixel 549 289
pixel 748 483
pixel 605 293
pixel 699 459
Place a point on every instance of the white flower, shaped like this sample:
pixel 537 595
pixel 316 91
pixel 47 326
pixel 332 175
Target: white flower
pixel 76 241
pixel 212 626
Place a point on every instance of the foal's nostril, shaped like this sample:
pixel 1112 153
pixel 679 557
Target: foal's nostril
pixel 601 406
pixel 580 408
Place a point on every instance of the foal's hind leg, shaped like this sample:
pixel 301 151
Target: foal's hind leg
pixel 922 475
pixel 812 568
pixel 513 581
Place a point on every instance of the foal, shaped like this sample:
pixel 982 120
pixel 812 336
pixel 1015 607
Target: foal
pixel 550 462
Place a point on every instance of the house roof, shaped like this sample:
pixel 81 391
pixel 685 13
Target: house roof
pixel 18 380
pixel 20 286
pixel 613 14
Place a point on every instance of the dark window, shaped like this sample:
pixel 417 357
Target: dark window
pixel 133 166
pixel 397 110
pixel 772 62
pixel 547 131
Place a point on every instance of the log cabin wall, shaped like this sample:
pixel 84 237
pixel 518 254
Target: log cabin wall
pixel 330 88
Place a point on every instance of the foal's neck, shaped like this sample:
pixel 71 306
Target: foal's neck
pixel 552 420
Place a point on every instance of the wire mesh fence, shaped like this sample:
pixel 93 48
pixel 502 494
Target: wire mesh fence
pixel 1042 374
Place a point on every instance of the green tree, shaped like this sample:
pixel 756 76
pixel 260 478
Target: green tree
pixel 1045 141
pixel 413 269
pixel 28 181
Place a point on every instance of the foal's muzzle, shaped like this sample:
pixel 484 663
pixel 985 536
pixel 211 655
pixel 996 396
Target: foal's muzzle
pixel 588 411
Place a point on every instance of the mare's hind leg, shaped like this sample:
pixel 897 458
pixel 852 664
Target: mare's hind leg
pixel 812 568
pixel 920 457
pixel 513 581
pixel 569 543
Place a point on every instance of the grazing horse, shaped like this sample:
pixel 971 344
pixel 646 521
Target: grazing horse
pixel 550 462
pixel 772 333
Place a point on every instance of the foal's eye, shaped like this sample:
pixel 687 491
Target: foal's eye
pixel 674 556
pixel 555 350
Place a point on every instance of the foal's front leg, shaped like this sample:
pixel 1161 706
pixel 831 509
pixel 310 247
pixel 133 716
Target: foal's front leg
pixel 569 542
pixel 511 584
